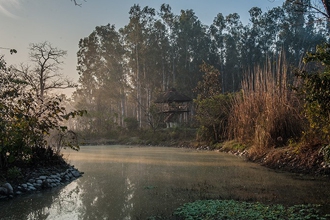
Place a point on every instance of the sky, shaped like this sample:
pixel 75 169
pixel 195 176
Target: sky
pixel 63 24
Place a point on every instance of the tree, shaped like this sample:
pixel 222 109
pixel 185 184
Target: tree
pixel 102 82
pixel 139 41
pixel 212 107
pixel 321 6
pixel 233 52
pixel 44 74
pixel 76 3
pixel 26 121
pixel 191 51
pixel 316 93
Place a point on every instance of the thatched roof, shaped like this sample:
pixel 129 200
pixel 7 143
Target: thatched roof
pixel 172 96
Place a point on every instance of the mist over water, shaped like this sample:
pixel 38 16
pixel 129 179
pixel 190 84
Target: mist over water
pixel 124 182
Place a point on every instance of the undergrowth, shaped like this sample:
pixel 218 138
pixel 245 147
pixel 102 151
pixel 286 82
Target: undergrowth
pixel 230 209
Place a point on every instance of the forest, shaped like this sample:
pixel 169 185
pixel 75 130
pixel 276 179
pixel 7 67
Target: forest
pixel 260 85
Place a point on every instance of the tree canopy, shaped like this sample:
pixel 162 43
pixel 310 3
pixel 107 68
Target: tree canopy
pixel 123 70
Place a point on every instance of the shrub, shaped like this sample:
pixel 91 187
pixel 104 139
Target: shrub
pixel 131 124
pixel 212 115
pixel 14 173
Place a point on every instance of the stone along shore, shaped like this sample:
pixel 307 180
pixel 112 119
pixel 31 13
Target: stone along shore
pixel 43 178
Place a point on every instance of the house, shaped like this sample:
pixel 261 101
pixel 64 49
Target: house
pixel 176 108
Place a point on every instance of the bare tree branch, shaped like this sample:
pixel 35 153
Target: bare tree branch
pixel 325 4
pixel 77 4
pixel 45 75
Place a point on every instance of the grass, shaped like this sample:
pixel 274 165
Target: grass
pixel 232 146
pixel 230 209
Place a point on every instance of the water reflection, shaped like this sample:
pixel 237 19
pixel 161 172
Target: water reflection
pixel 136 183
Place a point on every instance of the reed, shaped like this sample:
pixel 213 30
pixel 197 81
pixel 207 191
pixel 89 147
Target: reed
pixel 266 113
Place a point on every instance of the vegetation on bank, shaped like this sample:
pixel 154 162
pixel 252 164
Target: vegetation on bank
pixel 32 125
pixel 230 209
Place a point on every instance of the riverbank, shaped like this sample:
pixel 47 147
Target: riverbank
pixel 292 158
pixel 17 181
pixel 303 160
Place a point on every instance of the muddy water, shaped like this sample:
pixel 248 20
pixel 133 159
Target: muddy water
pixel 123 182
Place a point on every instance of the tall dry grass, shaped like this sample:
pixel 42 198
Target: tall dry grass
pixel 266 113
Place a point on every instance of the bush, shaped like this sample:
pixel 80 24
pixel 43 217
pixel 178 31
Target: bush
pixel 14 173
pixel 212 116
pixel 132 124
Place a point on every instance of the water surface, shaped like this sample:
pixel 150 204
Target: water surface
pixel 124 182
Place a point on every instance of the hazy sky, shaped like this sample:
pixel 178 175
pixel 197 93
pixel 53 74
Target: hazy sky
pixel 62 24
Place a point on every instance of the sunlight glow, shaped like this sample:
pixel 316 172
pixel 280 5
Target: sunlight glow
pixel 8 6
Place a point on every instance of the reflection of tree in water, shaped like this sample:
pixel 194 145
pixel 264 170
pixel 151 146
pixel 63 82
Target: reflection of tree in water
pixel 34 206
pixel 129 194
pixel 107 195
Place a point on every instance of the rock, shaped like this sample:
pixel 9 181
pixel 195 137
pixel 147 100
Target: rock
pixel 76 174
pixel 42 177
pixel 9 188
pixel 24 185
pixel 18 193
pixel 32 188
pixel 3 191
pixel 39 181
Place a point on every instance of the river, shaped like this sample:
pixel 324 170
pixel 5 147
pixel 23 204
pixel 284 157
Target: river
pixel 125 182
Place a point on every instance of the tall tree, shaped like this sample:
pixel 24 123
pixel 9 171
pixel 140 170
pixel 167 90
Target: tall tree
pixel 233 46
pixel 191 51
pixel 137 36
pixel 102 80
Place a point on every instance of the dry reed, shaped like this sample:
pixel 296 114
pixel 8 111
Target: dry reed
pixel 266 113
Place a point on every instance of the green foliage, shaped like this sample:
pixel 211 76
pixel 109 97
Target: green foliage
pixel 132 124
pixel 212 107
pixel 14 173
pixel 210 85
pixel 315 90
pixel 232 146
pixel 212 115
pixel 26 121
pixel 230 209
